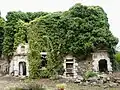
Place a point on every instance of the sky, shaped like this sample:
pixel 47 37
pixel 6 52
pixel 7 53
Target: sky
pixel 111 7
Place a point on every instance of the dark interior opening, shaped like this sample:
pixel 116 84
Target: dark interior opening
pixel 22 68
pixel 69 60
pixel 44 60
pixel 103 65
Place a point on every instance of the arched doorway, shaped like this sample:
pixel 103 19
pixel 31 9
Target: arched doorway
pixel 22 68
pixel 103 65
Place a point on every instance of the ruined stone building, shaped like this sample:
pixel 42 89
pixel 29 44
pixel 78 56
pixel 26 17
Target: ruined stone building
pixel 3 67
pixel 98 61
pixel 19 64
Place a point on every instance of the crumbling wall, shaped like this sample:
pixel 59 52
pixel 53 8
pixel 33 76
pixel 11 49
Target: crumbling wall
pixel 84 65
pixel 20 55
pixel 79 66
pixel 4 66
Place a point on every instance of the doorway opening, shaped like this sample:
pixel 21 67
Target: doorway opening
pixel 22 68
pixel 103 65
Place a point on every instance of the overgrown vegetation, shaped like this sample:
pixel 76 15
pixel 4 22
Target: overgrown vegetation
pixel 2 29
pixel 117 57
pixel 117 61
pixel 89 74
pixel 15 30
pixel 78 31
pixel 32 86
pixel 61 86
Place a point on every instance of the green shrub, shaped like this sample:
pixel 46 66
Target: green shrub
pixel 61 86
pixel 78 31
pixel 117 57
pixel 44 74
pixel 90 74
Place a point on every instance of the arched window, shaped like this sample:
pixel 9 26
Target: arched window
pixel 103 65
pixel 22 48
pixel 22 68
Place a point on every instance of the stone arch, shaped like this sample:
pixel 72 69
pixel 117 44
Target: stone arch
pixel 22 68
pixel 101 57
pixel 102 65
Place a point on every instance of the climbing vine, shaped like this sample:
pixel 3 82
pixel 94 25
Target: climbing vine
pixel 15 30
pixel 21 33
pixel 2 29
pixel 78 31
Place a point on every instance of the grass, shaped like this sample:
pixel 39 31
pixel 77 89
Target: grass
pixel 32 86
pixel 90 74
pixel 46 84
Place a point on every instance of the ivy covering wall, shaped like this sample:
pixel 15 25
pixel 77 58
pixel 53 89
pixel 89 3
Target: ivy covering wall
pixel 2 29
pixel 15 30
pixel 78 31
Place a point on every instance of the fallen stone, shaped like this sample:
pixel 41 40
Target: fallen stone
pixel 103 76
pixel 112 84
pixel 104 80
pixel 108 78
pixel 77 81
pixel 118 81
pixel 94 84
pixel 92 79
pixel 105 86
pixel 116 78
pixel 1 75
pixel 80 78
pixel 101 81
pixel 86 83
pixel 81 83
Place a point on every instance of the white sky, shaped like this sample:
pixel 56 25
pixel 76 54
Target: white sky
pixel 111 7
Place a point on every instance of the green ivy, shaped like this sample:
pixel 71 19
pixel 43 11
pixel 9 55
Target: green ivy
pixel 78 31
pixel 21 33
pixel 15 30
pixel 2 29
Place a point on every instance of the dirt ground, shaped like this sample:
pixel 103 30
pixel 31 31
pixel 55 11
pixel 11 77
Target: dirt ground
pixel 7 82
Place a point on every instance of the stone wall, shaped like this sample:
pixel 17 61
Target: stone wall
pixel 90 63
pixel 84 65
pixel 3 67
pixel 19 62
pixel 79 66
pixel 101 55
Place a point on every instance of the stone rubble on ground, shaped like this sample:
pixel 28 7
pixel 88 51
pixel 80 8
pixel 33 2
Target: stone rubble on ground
pixel 103 80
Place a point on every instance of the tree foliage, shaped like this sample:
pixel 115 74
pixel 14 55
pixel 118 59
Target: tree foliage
pixel 88 27
pixel 78 31
pixel 2 27
pixel 21 33
pixel 117 57
pixel 14 29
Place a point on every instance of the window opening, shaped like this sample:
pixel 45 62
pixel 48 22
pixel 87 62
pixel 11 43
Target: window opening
pixel 22 68
pixel 44 59
pixel 103 65
pixel 69 68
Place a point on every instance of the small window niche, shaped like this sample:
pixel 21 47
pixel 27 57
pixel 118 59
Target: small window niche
pixel 44 59
pixel 22 48
pixel 69 67
pixel 0 66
